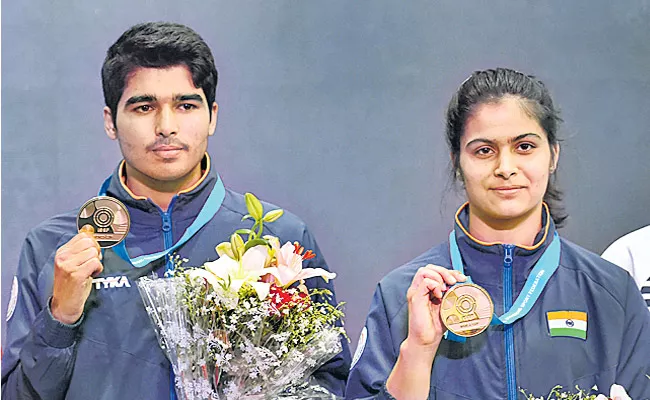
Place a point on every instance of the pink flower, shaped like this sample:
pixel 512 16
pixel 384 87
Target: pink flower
pixel 616 392
pixel 289 265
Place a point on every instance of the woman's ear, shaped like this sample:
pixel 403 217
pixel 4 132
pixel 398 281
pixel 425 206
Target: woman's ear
pixel 555 156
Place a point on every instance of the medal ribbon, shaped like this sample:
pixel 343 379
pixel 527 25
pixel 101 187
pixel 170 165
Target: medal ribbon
pixel 535 284
pixel 209 209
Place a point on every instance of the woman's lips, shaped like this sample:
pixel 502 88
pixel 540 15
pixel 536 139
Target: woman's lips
pixel 505 190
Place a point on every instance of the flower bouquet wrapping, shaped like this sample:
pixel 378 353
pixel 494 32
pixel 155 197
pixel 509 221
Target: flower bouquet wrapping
pixel 616 392
pixel 245 326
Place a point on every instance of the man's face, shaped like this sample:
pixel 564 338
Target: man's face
pixel 162 125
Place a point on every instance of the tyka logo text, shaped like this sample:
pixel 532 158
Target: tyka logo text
pixel 111 282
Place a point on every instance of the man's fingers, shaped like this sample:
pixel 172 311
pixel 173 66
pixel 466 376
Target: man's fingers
pixel 73 262
pixel 88 229
pixel 91 267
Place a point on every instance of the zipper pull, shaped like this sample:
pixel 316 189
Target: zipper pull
pixel 507 255
pixel 167 224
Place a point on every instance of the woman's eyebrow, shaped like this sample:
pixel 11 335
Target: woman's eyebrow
pixel 511 140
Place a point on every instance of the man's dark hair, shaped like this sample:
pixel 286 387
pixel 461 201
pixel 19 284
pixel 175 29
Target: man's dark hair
pixel 157 45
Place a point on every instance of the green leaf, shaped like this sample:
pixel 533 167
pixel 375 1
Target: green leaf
pixel 254 206
pixel 243 231
pixel 255 242
pixel 273 215
pixel 245 217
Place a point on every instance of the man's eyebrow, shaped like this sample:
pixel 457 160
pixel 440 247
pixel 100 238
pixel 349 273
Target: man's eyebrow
pixel 189 97
pixel 145 98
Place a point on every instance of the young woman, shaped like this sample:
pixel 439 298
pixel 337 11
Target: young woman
pixel 561 314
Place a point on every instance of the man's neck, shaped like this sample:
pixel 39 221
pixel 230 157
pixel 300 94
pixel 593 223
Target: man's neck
pixel 520 231
pixel 159 192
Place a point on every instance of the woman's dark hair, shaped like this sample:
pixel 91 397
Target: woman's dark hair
pixel 491 86
pixel 157 45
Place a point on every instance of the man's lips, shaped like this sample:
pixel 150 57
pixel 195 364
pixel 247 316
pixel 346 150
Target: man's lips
pixel 166 148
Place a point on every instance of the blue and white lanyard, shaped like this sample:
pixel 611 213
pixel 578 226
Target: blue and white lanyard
pixel 535 284
pixel 209 209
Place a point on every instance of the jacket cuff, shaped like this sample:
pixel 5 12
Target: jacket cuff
pixel 55 333
pixel 384 393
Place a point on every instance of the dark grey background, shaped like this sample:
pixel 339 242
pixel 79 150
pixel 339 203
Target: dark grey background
pixel 333 110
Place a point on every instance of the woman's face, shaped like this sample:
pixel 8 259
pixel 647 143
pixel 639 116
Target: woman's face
pixel 505 160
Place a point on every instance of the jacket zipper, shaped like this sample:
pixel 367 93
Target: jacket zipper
pixel 168 240
pixel 511 378
pixel 168 237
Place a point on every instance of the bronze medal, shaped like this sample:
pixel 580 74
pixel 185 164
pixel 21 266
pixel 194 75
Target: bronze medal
pixel 466 309
pixel 106 218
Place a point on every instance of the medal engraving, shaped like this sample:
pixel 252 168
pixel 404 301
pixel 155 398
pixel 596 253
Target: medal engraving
pixel 106 218
pixel 466 309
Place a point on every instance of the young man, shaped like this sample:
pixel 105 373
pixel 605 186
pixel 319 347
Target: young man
pixel 71 338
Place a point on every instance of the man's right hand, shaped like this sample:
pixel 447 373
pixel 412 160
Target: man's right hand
pixel 75 263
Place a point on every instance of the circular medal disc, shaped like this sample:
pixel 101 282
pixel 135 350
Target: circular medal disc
pixel 106 218
pixel 466 309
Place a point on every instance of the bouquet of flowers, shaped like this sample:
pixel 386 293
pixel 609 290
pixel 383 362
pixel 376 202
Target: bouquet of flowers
pixel 616 392
pixel 245 326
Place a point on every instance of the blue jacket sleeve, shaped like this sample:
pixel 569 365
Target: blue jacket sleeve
pixel 39 356
pixel 375 356
pixel 334 373
pixel 634 361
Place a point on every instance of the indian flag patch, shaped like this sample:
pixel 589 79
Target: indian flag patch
pixel 567 323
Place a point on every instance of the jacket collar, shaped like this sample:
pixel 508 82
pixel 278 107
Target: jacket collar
pixel 542 239
pixel 201 189
pixel 484 262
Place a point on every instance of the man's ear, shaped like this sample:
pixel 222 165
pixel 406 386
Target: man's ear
pixel 213 118
pixel 109 125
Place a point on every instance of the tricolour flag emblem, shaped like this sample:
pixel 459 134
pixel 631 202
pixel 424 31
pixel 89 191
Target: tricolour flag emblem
pixel 567 323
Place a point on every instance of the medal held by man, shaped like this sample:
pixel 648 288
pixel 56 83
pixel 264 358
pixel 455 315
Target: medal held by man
pixel 106 218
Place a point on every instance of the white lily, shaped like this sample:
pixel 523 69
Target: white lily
pixel 616 392
pixel 196 273
pixel 248 270
pixel 289 266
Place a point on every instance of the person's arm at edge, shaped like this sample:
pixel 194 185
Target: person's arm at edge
pixel 619 253
pixel 39 355
pixel 375 358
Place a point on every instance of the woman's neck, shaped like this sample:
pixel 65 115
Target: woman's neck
pixel 519 231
